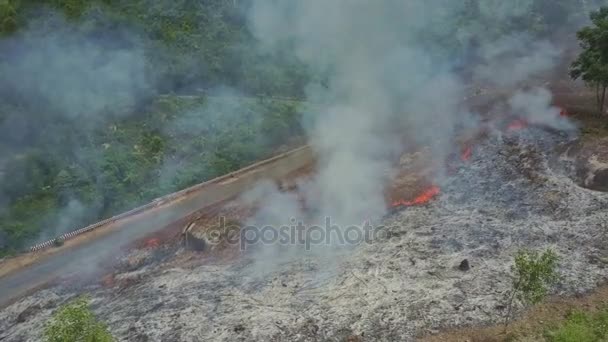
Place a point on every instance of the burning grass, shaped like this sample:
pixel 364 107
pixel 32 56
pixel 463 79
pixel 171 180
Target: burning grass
pixel 466 153
pixel 425 197
pixel 516 125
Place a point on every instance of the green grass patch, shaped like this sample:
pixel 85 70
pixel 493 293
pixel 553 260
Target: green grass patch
pixel 581 326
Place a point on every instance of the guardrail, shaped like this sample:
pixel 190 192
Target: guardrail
pixel 167 199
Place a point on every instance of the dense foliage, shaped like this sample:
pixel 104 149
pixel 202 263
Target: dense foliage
pixel 76 322
pixel 592 63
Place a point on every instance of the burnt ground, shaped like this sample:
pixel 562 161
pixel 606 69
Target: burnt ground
pixel 513 193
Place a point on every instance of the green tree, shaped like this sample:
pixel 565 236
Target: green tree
pixel 592 64
pixel 8 13
pixel 534 274
pixel 72 8
pixel 76 322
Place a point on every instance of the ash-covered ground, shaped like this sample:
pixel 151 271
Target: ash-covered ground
pixel 513 193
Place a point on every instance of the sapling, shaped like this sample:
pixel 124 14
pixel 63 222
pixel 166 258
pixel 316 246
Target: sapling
pixel 534 275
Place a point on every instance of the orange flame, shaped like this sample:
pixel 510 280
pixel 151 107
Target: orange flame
pixel 517 124
pixel 466 154
pixel 153 243
pixel 425 197
pixel 108 280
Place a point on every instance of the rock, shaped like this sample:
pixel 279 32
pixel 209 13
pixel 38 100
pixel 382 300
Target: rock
pixel 194 243
pixel 464 265
pixel 191 240
pixel 354 338
pixel 590 163
pixel 600 179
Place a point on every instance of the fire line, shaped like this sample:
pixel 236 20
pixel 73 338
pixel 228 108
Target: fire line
pixel 425 197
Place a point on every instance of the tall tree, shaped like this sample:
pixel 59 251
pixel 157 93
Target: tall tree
pixel 592 64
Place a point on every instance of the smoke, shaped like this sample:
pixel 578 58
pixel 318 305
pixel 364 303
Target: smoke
pixel 391 76
pixel 514 59
pixel 62 81
pixel 226 131
pixel 535 106
pixel 71 87
pixel 69 73
pixel 69 217
pixel 375 68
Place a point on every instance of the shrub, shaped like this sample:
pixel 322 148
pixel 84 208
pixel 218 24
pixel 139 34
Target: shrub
pixel 76 322
pixel 534 274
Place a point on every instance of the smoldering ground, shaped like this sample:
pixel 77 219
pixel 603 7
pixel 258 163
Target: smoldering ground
pixel 394 70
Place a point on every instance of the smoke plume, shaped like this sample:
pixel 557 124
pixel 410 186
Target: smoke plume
pixel 393 73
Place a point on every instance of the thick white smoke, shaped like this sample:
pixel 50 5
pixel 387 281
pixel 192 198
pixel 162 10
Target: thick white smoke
pixel 381 84
pixel 515 58
pixel 535 106
pixel 390 74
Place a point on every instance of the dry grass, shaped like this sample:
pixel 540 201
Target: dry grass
pixel 581 108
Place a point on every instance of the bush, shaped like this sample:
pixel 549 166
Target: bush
pixel 76 322
pixel 58 242
pixel 8 23
pixel 534 274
